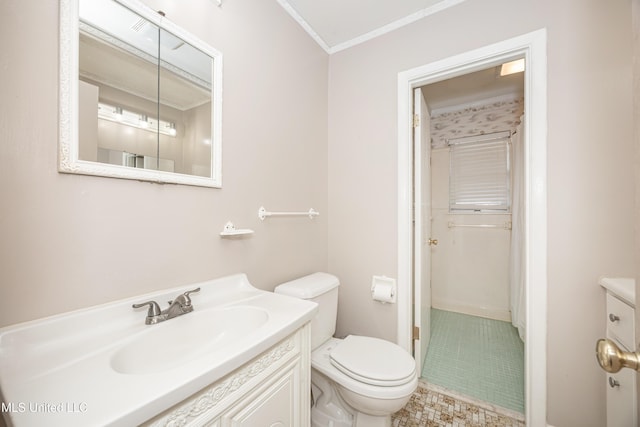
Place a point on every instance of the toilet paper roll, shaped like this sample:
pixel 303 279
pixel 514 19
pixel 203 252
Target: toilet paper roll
pixel 383 292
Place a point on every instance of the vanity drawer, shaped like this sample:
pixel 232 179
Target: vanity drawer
pixel 621 399
pixel 620 322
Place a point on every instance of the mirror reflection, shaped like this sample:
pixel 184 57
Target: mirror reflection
pixel 145 95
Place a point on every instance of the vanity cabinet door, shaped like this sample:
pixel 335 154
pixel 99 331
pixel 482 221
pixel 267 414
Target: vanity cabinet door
pixel 272 390
pixel 274 405
pixel 621 399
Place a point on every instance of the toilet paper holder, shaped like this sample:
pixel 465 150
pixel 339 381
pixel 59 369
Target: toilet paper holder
pixel 383 289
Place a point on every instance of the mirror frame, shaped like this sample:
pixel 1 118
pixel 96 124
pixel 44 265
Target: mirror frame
pixel 68 143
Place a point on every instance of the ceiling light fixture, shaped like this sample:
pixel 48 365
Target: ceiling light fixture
pixel 512 67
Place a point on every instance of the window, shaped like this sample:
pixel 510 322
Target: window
pixel 479 174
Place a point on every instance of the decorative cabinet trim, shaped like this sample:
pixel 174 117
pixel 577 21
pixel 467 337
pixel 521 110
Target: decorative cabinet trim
pixel 193 408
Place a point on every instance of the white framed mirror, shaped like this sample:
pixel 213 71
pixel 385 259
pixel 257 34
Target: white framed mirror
pixel 140 97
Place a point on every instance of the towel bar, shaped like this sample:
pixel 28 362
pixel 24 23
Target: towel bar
pixel 505 226
pixel 263 213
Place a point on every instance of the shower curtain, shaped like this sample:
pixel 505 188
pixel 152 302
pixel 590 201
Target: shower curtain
pixel 517 261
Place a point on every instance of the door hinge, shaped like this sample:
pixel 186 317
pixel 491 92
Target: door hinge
pixel 416 120
pixel 416 332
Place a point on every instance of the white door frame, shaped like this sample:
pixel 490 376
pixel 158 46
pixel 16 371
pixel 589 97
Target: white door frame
pixel 532 47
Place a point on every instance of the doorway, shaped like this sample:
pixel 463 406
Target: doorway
pixel 532 47
pixel 471 248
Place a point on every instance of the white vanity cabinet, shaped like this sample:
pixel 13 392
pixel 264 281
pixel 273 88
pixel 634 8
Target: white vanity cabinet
pixel 620 320
pixel 241 358
pixel 272 390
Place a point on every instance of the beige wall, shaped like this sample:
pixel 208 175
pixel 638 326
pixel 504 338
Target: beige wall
pixel 69 241
pixel 590 170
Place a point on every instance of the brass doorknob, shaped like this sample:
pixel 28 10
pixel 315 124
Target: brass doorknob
pixel 432 242
pixel 612 359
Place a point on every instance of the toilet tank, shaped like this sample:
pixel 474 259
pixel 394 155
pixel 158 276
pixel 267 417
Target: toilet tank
pixel 321 288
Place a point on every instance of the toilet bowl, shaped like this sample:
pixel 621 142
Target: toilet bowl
pixel 371 397
pixel 357 381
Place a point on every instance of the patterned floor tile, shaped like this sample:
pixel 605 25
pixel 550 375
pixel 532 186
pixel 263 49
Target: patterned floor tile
pixel 433 406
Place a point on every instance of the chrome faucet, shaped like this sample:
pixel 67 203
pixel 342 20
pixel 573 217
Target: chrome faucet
pixel 179 306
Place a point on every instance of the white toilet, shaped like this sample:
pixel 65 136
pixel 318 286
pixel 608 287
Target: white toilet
pixel 356 381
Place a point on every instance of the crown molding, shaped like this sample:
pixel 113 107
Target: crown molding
pixel 409 19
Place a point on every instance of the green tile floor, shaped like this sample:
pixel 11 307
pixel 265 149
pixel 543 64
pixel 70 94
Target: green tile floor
pixel 477 357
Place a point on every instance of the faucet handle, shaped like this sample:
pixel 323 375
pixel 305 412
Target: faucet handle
pixel 183 299
pixel 187 299
pixel 186 294
pixel 154 308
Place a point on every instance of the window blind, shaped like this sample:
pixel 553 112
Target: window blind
pixel 479 174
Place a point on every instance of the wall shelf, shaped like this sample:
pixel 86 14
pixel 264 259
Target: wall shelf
pixel 230 230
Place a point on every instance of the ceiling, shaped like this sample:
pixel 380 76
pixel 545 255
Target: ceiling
pixel 339 24
pixel 472 88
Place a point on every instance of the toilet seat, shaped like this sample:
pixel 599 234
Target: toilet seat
pixel 373 361
pixel 321 364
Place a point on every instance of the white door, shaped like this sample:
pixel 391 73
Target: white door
pixel 422 228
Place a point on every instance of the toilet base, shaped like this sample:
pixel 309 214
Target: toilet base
pixel 321 419
pixel 328 408
pixel 331 407
pixel 364 420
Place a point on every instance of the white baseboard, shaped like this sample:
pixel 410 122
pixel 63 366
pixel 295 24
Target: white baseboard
pixel 486 312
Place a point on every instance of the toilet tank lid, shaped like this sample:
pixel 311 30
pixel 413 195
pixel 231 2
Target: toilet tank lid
pixel 308 287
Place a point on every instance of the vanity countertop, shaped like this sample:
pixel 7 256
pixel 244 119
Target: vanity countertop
pixel 70 369
pixel 623 287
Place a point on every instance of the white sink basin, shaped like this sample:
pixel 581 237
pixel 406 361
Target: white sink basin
pixel 61 370
pixel 173 342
